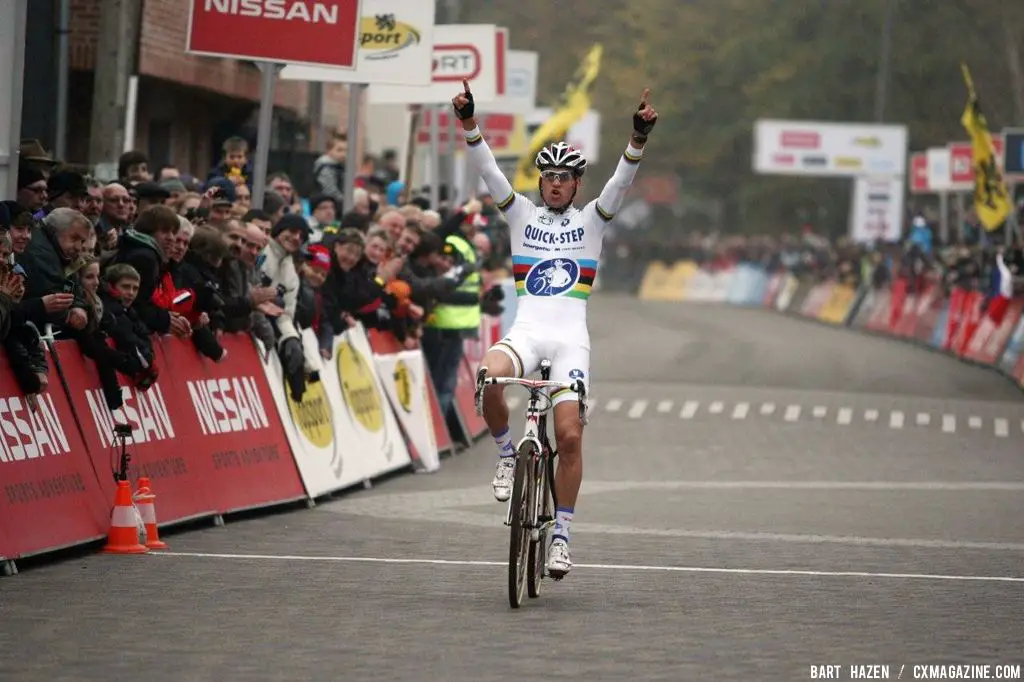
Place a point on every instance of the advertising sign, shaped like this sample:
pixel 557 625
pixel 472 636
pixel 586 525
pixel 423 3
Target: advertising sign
pixel 1013 151
pixel 320 32
pixel 877 210
pixel 520 85
pixel 919 173
pixel 396 40
pixel 814 148
pixel 961 158
pixel 938 169
pixel 460 52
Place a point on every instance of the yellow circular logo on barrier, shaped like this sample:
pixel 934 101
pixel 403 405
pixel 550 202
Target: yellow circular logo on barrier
pixel 313 414
pixel 403 385
pixel 356 378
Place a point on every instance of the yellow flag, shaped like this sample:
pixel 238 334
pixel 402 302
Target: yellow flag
pixel 991 199
pixel 573 106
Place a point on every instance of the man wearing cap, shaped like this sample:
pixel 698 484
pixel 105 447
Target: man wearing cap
pixel 149 194
pixel 174 187
pixel 66 189
pixel 223 199
pixel 31 188
pixel 288 237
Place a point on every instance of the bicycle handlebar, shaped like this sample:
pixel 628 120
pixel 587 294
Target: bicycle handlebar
pixel 576 387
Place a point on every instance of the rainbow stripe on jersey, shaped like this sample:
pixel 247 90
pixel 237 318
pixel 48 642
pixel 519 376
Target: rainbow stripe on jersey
pixel 521 266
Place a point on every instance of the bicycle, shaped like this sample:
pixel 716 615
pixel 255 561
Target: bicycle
pixel 531 508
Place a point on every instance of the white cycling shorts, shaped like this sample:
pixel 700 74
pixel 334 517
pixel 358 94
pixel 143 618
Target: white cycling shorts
pixel 526 345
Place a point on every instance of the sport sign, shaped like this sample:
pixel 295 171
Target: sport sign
pixel 318 32
pixel 396 39
pixel 815 148
pixel 461 52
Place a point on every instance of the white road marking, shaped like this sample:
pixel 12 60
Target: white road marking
pixel 923 419
pixel 845 416
pixel 613 405
pixel 689 409
pixel 948 423
pixel 664 406
pixel 740 411
pixel 819 411
pixel 769 408
pixel 716 407
pixel 637 410
pixel 896 420
pixel 601 567
pixel 871 415
pixel 974 422
pixel 1002 427
pixel 792 413
pixel 513 402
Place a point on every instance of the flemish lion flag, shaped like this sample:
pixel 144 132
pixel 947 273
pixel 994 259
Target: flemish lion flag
pixel 574 105
pixel 991 200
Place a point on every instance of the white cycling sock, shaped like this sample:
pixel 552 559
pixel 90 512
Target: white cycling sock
pixel 563 517
pixel 504 442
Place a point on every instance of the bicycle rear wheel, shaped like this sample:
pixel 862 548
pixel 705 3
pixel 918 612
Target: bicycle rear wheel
pixel 519 534
pixel 546 511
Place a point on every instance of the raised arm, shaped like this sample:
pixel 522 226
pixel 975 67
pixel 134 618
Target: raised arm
pixel 480 155
pixel 610 200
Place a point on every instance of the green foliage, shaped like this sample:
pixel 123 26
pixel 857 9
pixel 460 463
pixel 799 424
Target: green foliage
pixel 715 66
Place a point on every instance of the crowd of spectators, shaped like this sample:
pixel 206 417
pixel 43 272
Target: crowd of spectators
pixel 114 265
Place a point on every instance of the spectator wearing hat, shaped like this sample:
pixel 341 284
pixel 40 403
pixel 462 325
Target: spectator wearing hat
pixel 31 188
pixel 175 188
pixel 324 213
pixel 66 189
pixel 20 226
pixel 149 194
pixel 222 195
pixel 278 271
pixel 310 305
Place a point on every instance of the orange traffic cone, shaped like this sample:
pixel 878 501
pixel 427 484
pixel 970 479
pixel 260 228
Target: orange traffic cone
pixel 123 537
pixel 144 500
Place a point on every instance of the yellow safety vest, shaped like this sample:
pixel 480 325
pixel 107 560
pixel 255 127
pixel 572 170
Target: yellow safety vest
pixel 460 316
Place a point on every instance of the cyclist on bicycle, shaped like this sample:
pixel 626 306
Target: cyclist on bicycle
pixel 555 252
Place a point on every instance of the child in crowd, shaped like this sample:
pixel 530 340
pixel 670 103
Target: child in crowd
pixel 122 325
pixel 234 162
pixel 197 274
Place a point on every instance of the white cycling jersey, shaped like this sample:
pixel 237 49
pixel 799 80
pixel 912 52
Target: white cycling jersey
pixel 555 257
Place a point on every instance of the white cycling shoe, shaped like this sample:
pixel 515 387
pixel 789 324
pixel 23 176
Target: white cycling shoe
pixel 504 473
pixel 559 564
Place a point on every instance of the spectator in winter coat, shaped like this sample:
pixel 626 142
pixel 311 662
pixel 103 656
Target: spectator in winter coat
pixel 234 162
pixel 52 258
pixel 120 323
pixel 145 248
pixel 198 274
pixel 310 307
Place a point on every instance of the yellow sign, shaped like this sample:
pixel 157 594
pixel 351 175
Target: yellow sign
pixel 662 283
pixel 382 36
pixel 838 304
pixel 357 386
pixel 403 386
pixel 870 142
pixel 847 162
pixel 574 106
pixel 991 199
pixel 312 416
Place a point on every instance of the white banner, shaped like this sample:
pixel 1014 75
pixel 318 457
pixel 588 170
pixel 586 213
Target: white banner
pixel 877 210
pixel 355 373
pixel 520 85
pixel 396 39
pixel 404 376
pixel 939 172
pixel 336 447
pixel 461 51
pixel 814 148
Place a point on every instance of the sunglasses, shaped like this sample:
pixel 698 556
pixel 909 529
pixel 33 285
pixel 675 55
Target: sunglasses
pixel 561 176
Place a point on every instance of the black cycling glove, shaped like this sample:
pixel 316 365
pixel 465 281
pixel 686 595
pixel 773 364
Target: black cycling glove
pixel 641 126
pixel 467 110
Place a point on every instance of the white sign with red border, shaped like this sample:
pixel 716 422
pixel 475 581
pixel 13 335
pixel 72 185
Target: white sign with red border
pixel 816 148
pixel 461 51
pixel 317 32
pixel 961 164
pixel 396 40
pixel 520 95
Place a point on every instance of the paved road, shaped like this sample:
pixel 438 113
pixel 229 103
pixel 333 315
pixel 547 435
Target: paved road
pixel 762 495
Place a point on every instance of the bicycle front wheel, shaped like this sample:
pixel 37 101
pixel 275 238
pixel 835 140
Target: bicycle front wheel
pixel 546 511
pixel 519 534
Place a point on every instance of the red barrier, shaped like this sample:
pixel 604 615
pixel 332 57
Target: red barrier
pixel 464 403
pixel 208 435
pixel 51 497
pixel 816 299
pixel 929 309
pixel 772 290
pixel 970 318
pixel 897 303
pixel 990 339
pixel 957 299
pixel 880 314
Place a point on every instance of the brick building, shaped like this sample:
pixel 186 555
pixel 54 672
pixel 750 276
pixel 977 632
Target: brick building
pixel 187 105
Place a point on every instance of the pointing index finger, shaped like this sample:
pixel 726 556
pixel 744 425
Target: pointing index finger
pixel 645 96
pixel 465 85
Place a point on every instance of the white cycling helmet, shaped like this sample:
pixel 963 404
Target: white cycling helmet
pixel 561 155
